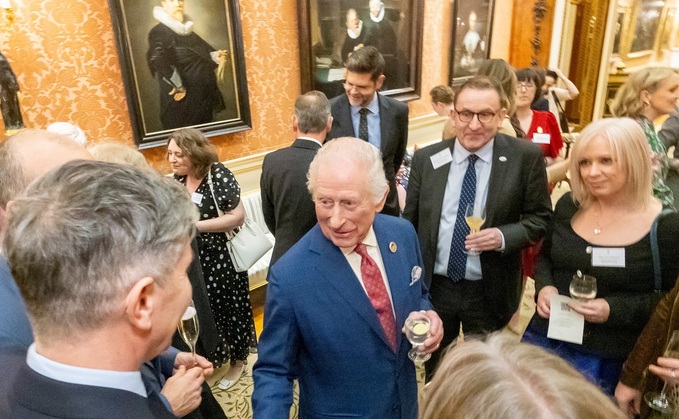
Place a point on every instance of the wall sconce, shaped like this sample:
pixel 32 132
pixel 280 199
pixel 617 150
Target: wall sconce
pixel 6 15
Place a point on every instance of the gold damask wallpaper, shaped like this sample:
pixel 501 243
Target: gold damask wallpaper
pixel 65 58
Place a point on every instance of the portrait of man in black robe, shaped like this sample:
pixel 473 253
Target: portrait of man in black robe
pixel 187 69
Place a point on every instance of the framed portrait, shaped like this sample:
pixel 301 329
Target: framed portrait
pixel 330 30
pixel 183 66
pixel 646 25
pixel 470 46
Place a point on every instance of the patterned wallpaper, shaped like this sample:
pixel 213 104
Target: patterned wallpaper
pixel 66 61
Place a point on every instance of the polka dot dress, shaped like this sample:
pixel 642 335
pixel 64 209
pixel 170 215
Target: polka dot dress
pixel 227 289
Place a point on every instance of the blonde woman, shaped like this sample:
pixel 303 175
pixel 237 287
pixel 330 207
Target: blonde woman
pixel 611 206
pixel 647 95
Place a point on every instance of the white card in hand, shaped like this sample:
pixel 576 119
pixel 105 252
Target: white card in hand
pixel 564 323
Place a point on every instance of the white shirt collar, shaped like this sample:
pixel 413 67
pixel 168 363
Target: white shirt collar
pixel 353 34
pixel 121 380
pixel 369 240
pixel 310 139
pixel 485 153
pixel 180 28
pixel 379 17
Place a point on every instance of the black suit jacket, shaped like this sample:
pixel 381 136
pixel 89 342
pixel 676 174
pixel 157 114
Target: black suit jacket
pixel 518 204
pixel 394 129
pixel 288 209
pixel 29 395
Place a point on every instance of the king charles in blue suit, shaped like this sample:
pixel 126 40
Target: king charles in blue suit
pixel 320 325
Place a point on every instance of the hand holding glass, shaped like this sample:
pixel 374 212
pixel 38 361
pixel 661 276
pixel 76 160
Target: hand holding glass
pixel 475 216
pixel 417 331
pixel 582 287
pixel 659 401
pixel 188 329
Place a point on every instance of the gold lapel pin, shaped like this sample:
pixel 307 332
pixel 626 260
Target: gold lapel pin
pixel 392 247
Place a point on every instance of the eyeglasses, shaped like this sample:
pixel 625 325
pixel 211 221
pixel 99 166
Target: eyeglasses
pixel 483 117
pixel 525 86
pixel 359 89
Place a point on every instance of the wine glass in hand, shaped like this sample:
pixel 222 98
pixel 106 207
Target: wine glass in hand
pixel 475 216
pixel 188 329
pixel 583 287
pixel 417 331
pixel 659 401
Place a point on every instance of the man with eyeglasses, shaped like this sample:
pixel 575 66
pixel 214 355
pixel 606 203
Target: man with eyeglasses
pixel 489 170
pixel 364 113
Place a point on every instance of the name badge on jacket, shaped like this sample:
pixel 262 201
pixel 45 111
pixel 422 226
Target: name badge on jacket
pixel 441 158
pixel 541 138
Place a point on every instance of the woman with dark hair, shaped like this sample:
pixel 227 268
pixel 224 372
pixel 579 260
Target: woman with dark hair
pixel 195 164
pixel 541 127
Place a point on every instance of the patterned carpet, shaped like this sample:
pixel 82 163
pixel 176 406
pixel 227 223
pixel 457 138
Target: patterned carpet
pixel 236 401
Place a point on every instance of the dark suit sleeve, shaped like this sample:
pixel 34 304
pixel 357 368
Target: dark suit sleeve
pixel 402 124
pixel 267 203
pixel 536 211
pixel 669 134
pixel 411 211
pixel 278 346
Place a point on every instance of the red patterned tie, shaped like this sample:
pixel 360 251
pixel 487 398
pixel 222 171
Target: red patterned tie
pixel 377 292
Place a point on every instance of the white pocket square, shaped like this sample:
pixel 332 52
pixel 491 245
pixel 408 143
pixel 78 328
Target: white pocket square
pixel 415 274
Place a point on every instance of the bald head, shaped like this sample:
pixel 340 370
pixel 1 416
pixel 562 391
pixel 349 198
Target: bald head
pixel 28 155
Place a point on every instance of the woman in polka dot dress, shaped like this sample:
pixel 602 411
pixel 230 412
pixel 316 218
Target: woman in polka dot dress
pixel 192 157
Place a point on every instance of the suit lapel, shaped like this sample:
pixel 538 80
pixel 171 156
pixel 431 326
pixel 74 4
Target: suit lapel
pixel 502 156
pixel 386 122
pixel 437 188
pixel 334 269
pixel 344 121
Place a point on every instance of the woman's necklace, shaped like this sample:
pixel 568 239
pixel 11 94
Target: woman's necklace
pixel 597 225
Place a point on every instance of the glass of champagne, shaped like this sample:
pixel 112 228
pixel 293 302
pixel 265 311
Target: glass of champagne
pixel 475 216
pixel 582 287
pixel 659 401
pixel 188 328
pixel 417 331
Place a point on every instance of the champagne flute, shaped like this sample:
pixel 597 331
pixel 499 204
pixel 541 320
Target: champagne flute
pixel 582 287
pixel 475 216
pixel 417 331
pixel 659 401
pixel 188 329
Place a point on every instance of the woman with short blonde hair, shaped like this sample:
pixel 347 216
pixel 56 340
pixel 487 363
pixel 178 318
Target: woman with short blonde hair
pixel 602 229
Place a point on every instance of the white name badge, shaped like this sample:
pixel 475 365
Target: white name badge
pixel 541 138
pixel 196 197
pixel 441 158
pixel 611 257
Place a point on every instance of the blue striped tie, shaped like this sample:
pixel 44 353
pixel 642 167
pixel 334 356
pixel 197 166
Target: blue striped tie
pixel 457 262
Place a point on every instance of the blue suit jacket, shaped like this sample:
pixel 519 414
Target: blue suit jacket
pixel 321 328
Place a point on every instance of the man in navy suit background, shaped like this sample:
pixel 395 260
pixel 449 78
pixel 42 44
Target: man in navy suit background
pixel 286 202
pixel 323 321
pixel 99 252
pixel 380 120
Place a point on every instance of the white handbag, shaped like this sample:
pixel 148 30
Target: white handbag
pixel 248 244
